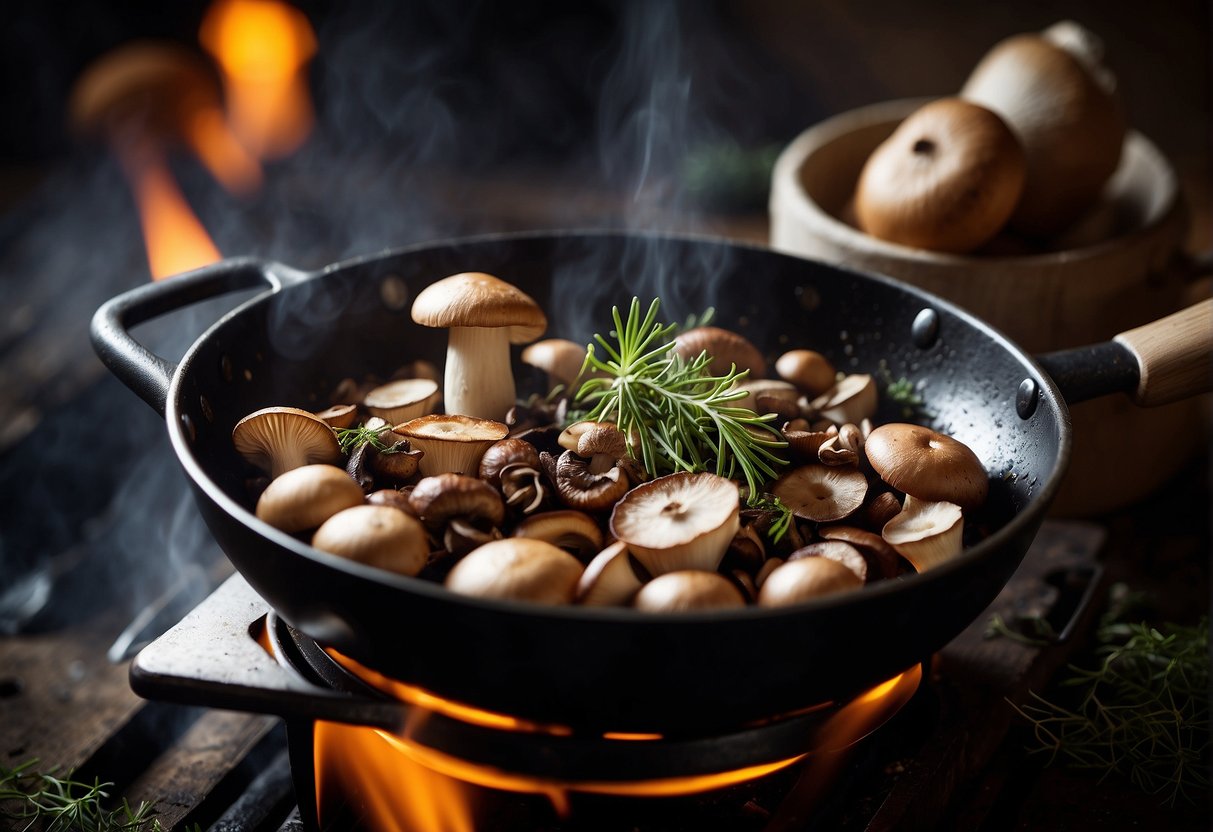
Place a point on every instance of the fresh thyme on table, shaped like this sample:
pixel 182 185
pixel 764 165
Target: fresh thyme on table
pixel 61 804
pixel 680 415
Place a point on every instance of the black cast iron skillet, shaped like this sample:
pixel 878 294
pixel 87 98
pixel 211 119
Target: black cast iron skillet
pixel 608 669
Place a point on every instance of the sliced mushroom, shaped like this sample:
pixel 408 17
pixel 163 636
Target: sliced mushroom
pixel 526 488
pixel 679 521
pixel 610 579
pixel 451 443
pixel 821 493
pixel 583 488
pixel 402 400
pixel 727 349
pixel 688 591
pixel 882 559
pixel 838 550
pixel 927 464
pixel 277 439
pixel 851 400
pixel 377 536
pixel 805 579
pixel 573 531
pixel 462 511
pixel 517 569
pixel 926 533
pixel 506 452
pixel 842 447
pixel 305 497
pixel 805 443
pixel 484 315
pixel 809 370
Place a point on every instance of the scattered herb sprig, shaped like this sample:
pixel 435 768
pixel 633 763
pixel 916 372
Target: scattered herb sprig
pixel 783 515
pixel 682 417
pixel 351 438
pixel 60 804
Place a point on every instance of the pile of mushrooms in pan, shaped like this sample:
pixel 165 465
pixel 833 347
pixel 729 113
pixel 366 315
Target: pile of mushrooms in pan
pixel 500 499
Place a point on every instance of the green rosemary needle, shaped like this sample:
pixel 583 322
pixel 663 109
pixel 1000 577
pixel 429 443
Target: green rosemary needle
pixel 680 416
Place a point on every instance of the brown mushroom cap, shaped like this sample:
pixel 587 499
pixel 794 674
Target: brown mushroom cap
pixel 821 493
pixel 504 453
pixel 517 569
pixel 305 497
pixel 679 521
pixel 947 179
pixel 401 400
pixel 277 439
pixel 441 497
pixel 451 442
pixel 560 358
pixel 726 348
pixel 802 580
pixel 585 486
pixel 882 559
pixel 378 536
pixel 838 550
pixel 476 299
pixel 927 464
pixel 688 591
pixel 809 370
pixel 573 531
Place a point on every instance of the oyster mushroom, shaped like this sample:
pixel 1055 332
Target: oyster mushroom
pixel 306 496
pixel 277 439
pixel 688 591
pixel 402 400
pixel 339 416
pixel 451 443
pixel 463 512
pixel 517 569
pixel 842 447
pixel 802 580
pixel 484 315
pixel 926 533
pixel 376 535
pixel 809 370
pixel 821 493
pixel 851 400
pixel 679 521
pixel 573 531
pixel 927 464
pixel 610 579
pixel 1055 93
pixel 727 349
pixel 947 179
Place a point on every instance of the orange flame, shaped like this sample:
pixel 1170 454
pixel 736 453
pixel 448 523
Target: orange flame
pixel 262 48
pixel 420 789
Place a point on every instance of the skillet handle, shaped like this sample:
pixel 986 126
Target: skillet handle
pixel 1157 363
pixel 144 372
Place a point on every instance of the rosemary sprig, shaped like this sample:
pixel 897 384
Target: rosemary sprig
pixel 783 515
pixel 679 415
pixel 1142 711
pixel 61 804
pixel 351 438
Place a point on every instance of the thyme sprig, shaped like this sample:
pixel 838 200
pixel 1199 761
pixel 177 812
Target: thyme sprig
pixel 351 438
pixel 60 804
pixel 680 416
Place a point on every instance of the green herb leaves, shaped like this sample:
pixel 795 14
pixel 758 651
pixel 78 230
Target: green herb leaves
pixel 677 415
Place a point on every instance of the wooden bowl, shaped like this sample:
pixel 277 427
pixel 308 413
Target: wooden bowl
pixel 1116 269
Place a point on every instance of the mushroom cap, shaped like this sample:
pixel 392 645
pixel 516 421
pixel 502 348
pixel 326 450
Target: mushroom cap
pixel 305 497
pixel 687 591
pixel 881 557
pixel 505 452
pixel 451 442
pixel 403 399
pixel 927 464
pixel 726 349
pixel 853 399
pixel 518 569
pixel 926 533
pixel 560 358
pixel 821 493
pixel 795 581
pixel 809 370
pixel 610 579
pixel 947 179
pixel 377 535
pixel 838 550
pixel 568 529
pixel 480 300
pixel 438 498
pixel 582 485
pixel 339 416
pixel 277 439
pixel 679 521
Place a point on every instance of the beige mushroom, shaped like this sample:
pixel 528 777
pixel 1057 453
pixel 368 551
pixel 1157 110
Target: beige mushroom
pixel 517 569
pixel 339 416
pixel 851 400
pixel 277 439
pixel 882 559
pixel 802 580
pixel 305 497
pixel 766 389
pixel 484 315
pixel 842 447
pixel 838 550
pixel 809 370
pixel 376 535
pixel 1061 101
pixel 725 348
pixel 927 464
pixel 688 591
pixel 947 179
pixel 573 531
pixel 451 443
pixel 926 533
pixel 402 400
pixel 821 493
pixel 679 521
pixel 560 358
pixel 610 579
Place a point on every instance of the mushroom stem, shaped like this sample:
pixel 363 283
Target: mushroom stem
pixel 478 380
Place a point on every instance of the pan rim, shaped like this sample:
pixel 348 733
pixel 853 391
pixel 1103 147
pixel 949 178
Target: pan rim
pixel 999 540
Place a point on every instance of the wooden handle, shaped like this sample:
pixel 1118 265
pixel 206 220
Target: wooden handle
pixel 1175 355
